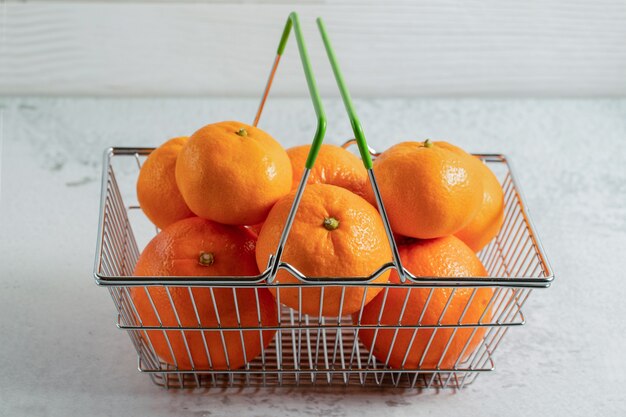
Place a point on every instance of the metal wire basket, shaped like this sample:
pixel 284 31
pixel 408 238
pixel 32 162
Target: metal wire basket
pixel 318 349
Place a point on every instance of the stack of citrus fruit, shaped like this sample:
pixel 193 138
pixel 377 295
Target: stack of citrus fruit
pixel 221 198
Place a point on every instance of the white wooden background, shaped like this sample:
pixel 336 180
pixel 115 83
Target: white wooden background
pixel 387 48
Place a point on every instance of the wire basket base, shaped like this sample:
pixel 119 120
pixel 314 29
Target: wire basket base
pixel 334 380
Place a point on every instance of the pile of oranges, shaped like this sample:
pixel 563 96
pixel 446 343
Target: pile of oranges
pixel 221 198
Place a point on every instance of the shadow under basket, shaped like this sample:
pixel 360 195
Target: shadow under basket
pixel 313 349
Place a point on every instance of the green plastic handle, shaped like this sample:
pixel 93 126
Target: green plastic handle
pixel 347 100
pixel 293 21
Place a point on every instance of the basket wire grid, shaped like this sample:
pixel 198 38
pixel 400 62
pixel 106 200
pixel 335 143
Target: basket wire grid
pixel 317 349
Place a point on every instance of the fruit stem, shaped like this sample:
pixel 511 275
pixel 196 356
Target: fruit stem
pixel 242 132
pixel 206 258
pixel 428 143
pixel 330 223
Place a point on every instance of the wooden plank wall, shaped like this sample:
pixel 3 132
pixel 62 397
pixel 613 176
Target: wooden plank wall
pixel 387 48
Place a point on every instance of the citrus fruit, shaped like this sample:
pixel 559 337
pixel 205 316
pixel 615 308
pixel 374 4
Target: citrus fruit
pixel 446 256
pixel 232 173
pixel 157 192
pixel 486 224
pixel 200 247
pixel 255 229
pixel 335 233
pixel 428 190
pixel 334 165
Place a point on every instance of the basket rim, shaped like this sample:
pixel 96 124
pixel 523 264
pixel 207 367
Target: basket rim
pixel 259 280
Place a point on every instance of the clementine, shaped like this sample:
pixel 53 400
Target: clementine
pixel 255 229
pixel 232 173
pixel 428 348
pixel 335 233
pixel 334 165
pixel 428 190
pixel 157 192
pixel 200 247
pixel 486 224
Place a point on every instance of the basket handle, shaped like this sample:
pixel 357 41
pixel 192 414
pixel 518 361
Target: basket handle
pixel 363 147
pixel 359 136
pixel 294 21
pixel 274 263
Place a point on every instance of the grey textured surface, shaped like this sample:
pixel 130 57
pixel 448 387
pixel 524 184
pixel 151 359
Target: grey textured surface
pixel 62 355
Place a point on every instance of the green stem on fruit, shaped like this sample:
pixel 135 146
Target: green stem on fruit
pixel 330 223
pixel 242 132
pixel 428 143
pixel 206 258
